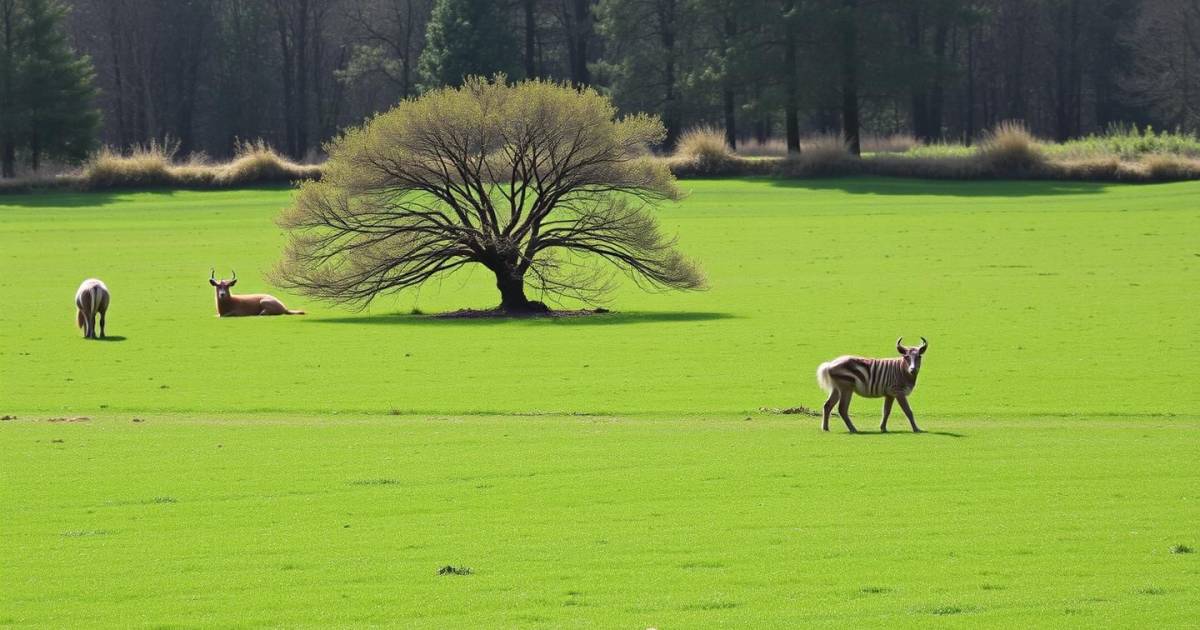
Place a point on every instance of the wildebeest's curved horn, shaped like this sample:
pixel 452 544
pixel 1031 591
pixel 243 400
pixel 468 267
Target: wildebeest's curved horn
pixel 899 346
pixel 234 275
pixel 212 273
pixel 924 345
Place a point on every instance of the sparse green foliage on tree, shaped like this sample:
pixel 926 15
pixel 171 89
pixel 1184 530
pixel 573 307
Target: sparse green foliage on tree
pixel 540 183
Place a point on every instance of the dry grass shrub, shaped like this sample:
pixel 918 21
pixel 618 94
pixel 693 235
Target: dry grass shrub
pixel 257 162
pixel 871 143
pixel 820 156
pixel 771 147
pixel 1170 167
pixel 145 166
pixel 1010 150
pixel 703 151
pixel 891 143
pixel 154 165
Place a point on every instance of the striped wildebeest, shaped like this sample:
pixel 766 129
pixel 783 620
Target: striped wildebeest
pixel 91 299
pixel 893 379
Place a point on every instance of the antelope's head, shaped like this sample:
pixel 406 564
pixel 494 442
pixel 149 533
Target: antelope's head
pixel 222 286
pixel 912 355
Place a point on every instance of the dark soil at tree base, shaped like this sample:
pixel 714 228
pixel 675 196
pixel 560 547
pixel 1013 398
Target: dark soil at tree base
pixel 497 313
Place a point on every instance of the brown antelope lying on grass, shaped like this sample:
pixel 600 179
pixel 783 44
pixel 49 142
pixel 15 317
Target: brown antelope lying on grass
pixel 230 305
pixel 893 379
pixel 91 299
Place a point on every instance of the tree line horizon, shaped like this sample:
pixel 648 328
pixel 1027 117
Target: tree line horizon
pixel 203 75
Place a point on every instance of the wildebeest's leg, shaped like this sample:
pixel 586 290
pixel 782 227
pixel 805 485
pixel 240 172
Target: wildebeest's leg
pixel 833 399
pixel 908 412
pixel 887 411
pixel 102 314
pixel 844 409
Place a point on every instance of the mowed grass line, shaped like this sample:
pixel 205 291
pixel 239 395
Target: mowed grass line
pixel 1037 297
pixel 604 522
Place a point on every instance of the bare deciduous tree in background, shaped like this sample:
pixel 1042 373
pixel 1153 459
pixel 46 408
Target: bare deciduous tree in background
pixel 535 181
pixel 1167 54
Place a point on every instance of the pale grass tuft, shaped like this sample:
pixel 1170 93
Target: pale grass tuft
pixel 706 143
pixel 258 162
pixel 1010 150
pixel 145 165
pixel 703 151
pixel 1170 167
pixel 154 165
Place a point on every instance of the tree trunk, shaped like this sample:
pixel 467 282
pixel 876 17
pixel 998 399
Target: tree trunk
pixel 530 32
pixel 730 119
pixel 728 95
pixel 937 93
pixel 512 293
pixel 917 93
pixel 969 114
pixel 583 31
pixel 35 147
pixel 8 148
pixel 289 108
pixel 791 86
pixel 8 157
pixel 850 121
pixel 666 21
pixel 302 60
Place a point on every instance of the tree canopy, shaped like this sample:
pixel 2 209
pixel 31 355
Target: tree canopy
pixel 535 181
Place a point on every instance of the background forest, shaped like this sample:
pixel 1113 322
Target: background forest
pixel 202 75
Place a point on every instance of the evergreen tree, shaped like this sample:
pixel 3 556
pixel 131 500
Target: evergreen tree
pixel 465 38
pixel 10 114
pixel 46 91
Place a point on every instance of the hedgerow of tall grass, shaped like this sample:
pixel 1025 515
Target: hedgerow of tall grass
pixel 154 165
pixel 871 144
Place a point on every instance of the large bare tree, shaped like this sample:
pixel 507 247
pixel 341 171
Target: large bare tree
pixel 536 181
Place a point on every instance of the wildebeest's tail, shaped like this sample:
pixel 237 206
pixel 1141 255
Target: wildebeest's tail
pixel 79 320
pixel 823 377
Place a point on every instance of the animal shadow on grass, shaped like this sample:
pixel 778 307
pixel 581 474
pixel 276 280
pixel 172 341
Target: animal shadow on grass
pixel 111 338
pixel 596 319
pixel 907 432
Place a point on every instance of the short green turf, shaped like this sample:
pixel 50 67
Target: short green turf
pixel 597 522
pixel 1036 298
pixel 601 471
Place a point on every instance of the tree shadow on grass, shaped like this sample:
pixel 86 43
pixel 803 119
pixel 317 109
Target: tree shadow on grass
pixel 875 185
pixel 73 198
pixel 598 319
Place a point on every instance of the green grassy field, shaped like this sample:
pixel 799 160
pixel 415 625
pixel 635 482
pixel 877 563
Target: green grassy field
pixel 615 470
